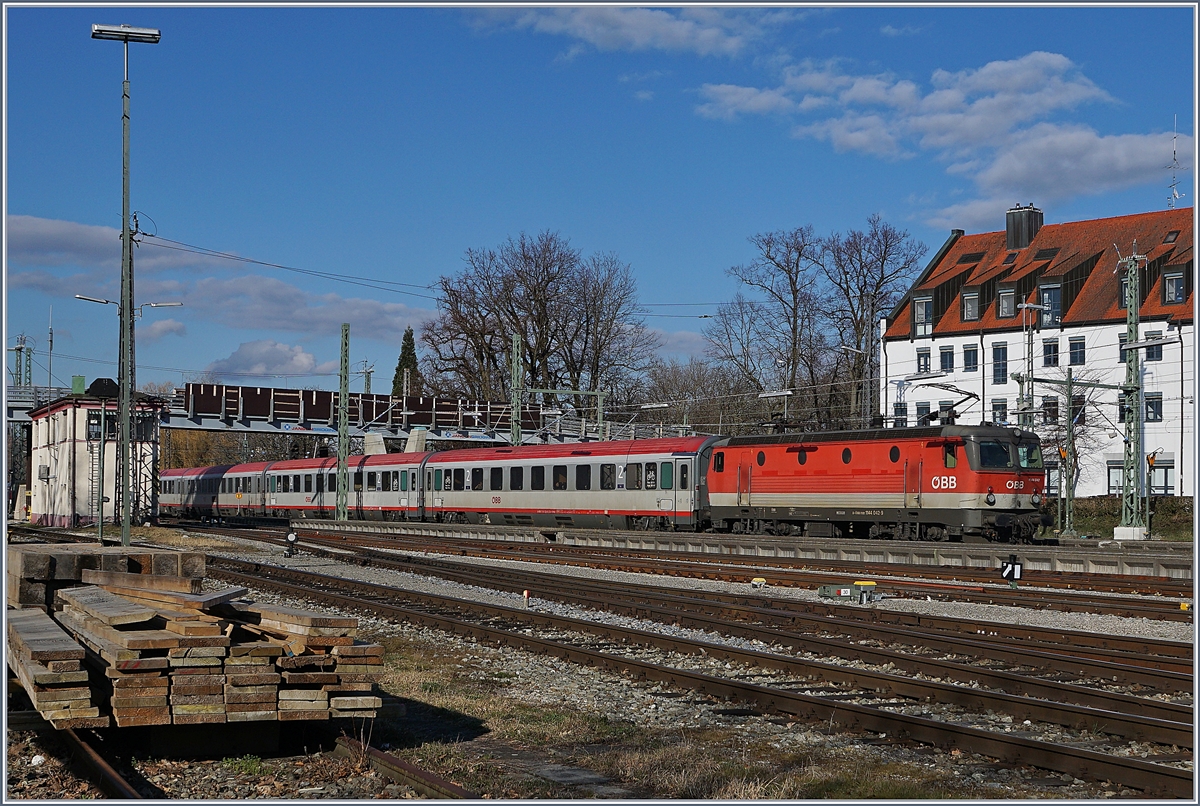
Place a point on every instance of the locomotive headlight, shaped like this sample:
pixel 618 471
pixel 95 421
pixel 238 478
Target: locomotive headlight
pixel 991 498
pixel 1035 499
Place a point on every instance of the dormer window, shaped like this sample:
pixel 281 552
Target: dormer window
pixel 1171 236
pixel 923 316
pixel 1174 291
pixel 1006 303
pixel 1009 258
pixel 970 306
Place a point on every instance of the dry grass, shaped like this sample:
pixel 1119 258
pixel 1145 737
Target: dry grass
pixel 173 538
pixel 453 704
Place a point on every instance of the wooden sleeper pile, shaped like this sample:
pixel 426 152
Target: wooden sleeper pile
pixel 49 666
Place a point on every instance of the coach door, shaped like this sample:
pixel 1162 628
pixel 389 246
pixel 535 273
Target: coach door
pixel 685 498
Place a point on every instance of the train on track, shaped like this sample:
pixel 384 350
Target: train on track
pixel 949 482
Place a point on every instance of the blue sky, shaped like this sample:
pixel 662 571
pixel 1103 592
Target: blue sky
pixel 383 143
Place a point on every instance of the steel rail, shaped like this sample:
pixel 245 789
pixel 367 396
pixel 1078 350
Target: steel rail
pixel 1005 682
pixel 1164 674
pixel 108 778
pixel 1149 777
pixel 397 769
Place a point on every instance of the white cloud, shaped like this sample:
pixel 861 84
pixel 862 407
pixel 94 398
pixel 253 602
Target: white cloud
pixel 268 357
pixel 727 101
pixel 891 30
pixel 996 126
pixel 644 95
pixel 704 31
pixel 156 330
pixel 681 343
pixel 49 242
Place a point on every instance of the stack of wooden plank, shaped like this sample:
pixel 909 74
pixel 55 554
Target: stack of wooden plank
pixel 162 651
pixel 49 666
pixel 35 571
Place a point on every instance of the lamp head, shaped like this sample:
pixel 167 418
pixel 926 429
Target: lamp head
pixel 126 33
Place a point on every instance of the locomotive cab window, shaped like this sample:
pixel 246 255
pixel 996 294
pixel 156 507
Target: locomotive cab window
pixel 608 477
pixel 537 477
pixel 994 454
pixel 1029 455
pixel 719 462
pixel 950 455
pixel 497 479
pixel 651 476
pixel 516 478
pixel 560 477
pixel 583 477
pixel 683 477
pixel 633 477
pixel 666 476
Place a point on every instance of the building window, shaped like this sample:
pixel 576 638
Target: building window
pixel 1000 410
pixel 1116 478
pixel 1174 291
pixel 922 360
pixel 1161 478
pixel 999 364
pixel 947 359
pixel 1050 409
pixel 1006 304
pixel 1121 339
pixel 1078 410
pixel 1154 353
pixel 1052 300
pixel 900 415
pixel 945 407
pixel 970 307
pixel 1078 352
pixel 923 317
pixel 1050 353
pixel 1154 407
pixel 970 358
pixel 1171 236
pixel 922 414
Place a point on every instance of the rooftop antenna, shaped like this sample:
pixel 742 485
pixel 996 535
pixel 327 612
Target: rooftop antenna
pixel 1174 166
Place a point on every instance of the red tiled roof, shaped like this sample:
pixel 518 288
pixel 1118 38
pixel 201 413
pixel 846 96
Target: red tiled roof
pixel 1077 243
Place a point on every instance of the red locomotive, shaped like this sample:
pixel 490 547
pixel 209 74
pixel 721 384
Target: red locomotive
pixel 938 483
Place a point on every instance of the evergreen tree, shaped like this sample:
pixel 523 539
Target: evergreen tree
pixel 408 360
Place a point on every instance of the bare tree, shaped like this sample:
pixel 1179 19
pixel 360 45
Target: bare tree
pixel 867 272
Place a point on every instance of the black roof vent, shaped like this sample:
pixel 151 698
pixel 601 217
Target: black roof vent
pixel 1021 225
pixel 104 388
pixel 1046 254
pixel 972 257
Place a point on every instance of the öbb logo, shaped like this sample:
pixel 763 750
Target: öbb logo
pixel 945 482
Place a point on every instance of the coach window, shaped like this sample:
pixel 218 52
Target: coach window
pixel 497 478
pixel 608 477
pixel 950 455
pixel 286 487
pixel 633 477
pixel 560 477
pixel 683 477
pixel 437 479
pixel 387 481
pixel 460 478
pixel 477 478
pixel 516 478
pixel 320 482
pixel 537 477
pixel 651 476
pixel 666 477
pixel 333 482
pixel 358 482
pixel 372 481
pixel 403 481
pixel 308 482
pixel 718 462
pixel 583 477
pixel 296 483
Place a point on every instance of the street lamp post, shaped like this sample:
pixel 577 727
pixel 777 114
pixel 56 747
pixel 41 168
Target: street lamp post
pixel 126 34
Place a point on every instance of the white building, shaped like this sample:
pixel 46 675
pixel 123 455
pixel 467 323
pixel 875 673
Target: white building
pixel 962 327
pixel 67 445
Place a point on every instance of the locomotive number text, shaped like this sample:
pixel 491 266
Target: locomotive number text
pixel 944 482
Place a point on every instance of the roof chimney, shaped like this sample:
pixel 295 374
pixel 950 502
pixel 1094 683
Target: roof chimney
pixel 1021 224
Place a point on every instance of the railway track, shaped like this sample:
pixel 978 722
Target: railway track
pixel 859 700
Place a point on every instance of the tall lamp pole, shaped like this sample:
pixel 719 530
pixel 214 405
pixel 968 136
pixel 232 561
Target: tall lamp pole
pixel 151 36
